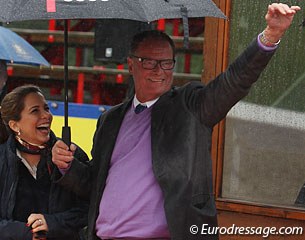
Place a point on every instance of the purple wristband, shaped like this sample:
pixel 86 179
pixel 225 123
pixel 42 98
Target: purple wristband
pixel 263 47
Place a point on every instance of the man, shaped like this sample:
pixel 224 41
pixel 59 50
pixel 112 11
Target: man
pixel 151 175
pixel 3 79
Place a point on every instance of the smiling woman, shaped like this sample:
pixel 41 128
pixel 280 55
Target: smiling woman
pixel 40 206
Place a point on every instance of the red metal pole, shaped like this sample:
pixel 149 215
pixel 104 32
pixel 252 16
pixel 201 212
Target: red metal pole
pixel 161 25
pixel 80 88
pixel 52 27
pixel 119 77
pixel 78 57
pixel 10 71
pixel 176 23
pixel 96 93
pixel 187 63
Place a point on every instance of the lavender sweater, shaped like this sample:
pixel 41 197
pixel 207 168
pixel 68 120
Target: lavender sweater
pixel 132 202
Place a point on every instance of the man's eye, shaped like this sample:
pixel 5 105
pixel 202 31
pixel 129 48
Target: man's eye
pixel 167 63
pixel 151 62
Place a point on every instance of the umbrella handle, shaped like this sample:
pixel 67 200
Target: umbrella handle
pixel 66 135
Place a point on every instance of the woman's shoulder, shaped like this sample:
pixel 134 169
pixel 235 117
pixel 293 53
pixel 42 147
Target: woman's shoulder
pixel 3 152
pixel 4 146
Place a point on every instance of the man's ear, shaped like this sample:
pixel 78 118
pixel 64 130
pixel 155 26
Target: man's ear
pixel 130 65
pixel 14 126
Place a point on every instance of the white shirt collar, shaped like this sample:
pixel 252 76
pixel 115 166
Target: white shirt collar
pixel 32 170
pixel 148 103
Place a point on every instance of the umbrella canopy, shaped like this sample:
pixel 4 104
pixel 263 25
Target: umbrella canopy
pixel 14 49
pixel 140 10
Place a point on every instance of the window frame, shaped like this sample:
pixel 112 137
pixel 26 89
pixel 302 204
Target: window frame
pixel 216 58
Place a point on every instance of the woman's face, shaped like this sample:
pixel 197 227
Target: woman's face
pixel 36 119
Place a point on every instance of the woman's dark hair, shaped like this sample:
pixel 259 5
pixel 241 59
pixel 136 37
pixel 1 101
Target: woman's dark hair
pixel 11 107
pixel 147 35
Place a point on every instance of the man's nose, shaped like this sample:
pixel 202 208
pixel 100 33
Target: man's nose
pixel 158 67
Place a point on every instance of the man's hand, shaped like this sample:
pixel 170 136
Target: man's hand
pixel 279 17
pixel 62 156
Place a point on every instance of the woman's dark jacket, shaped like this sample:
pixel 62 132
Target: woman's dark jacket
pixel 181 128
pixel 67 213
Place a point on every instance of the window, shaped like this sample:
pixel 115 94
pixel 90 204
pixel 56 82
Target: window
pixel 264 150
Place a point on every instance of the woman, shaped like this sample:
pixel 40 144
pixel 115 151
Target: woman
pixel 31 205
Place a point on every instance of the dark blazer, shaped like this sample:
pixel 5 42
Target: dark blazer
pixel 181 128
pixel 67 213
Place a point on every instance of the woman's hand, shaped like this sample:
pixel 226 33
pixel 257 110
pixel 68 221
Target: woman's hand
pixel 38 224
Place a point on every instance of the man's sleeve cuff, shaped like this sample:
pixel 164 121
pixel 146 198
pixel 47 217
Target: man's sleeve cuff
pixel 263 47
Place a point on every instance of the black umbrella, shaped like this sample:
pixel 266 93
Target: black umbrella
pixel 139 10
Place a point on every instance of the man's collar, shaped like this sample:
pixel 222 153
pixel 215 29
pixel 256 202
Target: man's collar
pixel 148 103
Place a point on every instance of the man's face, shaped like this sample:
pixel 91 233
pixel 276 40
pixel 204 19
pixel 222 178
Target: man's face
pixel 150 84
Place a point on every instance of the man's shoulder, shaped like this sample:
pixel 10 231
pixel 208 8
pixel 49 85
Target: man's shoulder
pixel 187 88
pixel 189 85
pixel 116 108
pixel 113 111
